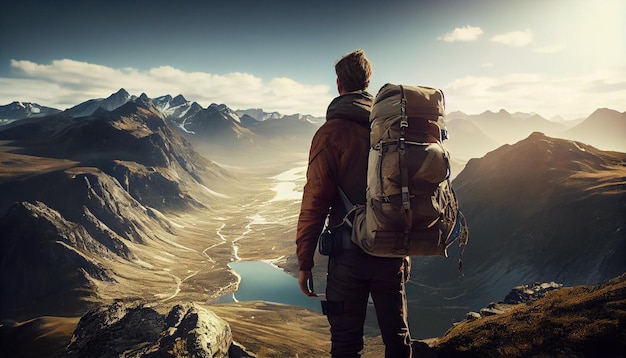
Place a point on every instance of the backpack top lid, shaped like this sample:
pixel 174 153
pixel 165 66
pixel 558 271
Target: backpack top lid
pixel 421 102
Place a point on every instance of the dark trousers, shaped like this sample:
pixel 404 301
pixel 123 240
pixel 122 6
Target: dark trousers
pixel 352 277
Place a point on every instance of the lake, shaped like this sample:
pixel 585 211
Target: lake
pixel 262 281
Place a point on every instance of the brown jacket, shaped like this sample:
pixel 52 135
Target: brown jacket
pixel 338 157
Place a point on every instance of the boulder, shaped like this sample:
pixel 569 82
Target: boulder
pixel 531 292
pixel 135 330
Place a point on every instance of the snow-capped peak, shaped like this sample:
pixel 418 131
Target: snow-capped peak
pixel 115 100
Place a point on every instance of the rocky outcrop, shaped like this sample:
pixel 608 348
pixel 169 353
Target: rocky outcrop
pixel 529 293
pixel 581 321
pixel 519 294
pixel 134 330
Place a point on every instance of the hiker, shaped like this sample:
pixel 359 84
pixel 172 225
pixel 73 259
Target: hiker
pixel 338 159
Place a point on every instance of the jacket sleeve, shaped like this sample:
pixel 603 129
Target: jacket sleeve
pixel 319 192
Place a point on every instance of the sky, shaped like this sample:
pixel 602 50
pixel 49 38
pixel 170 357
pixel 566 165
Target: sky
pixel 551 57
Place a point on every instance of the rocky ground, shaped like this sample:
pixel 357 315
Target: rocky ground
pixel 542 320
pixel 581 321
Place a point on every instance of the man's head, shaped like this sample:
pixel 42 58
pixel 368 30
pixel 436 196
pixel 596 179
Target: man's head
pixel 353 72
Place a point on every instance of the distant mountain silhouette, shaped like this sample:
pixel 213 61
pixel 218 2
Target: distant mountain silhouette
pixel 19 110
pixel 176 109
pixel 216 127
pixel 472 135
pixel 605 128
pixel 218 123
pixel 292 132
pixel 504 127
pixel 219 129
pixel 467 140
pixel 248 121
pixel 249 130
pixel 258 114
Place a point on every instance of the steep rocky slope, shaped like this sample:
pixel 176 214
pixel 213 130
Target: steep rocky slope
pixel 82 203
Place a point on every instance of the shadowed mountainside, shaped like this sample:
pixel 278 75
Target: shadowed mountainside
pixel 70 228
pixel 132 143
pixel 547 208
pixel 543 209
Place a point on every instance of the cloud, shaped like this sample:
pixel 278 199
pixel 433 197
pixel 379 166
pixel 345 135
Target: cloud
pixel 467 33
pixel 65 83
pixel 514 38
pixel 570 97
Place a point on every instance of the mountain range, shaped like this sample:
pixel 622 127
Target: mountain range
pixel 18 110
pixel 471 136
pixel 81 196
pixel 95 200
pixel 216 123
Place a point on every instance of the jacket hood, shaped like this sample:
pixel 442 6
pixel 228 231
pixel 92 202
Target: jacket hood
pixel 353 106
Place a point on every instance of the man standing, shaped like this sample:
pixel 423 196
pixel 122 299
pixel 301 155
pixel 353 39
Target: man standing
pixel 338 159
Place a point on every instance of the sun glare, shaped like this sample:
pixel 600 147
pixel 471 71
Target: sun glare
pixel 599 30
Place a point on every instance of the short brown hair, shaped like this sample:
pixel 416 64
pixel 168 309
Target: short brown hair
pixel 354 71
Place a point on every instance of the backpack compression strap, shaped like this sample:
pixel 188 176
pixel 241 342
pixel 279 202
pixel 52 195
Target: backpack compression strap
pixel 404 175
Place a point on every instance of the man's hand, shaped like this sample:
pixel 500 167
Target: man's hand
pixel 306 283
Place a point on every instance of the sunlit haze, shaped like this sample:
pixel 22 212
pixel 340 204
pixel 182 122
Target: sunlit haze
pixel 562 57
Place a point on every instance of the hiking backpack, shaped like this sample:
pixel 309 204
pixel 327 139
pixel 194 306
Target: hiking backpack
pixel 410 209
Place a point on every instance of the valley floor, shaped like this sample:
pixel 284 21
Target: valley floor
pixel 256 220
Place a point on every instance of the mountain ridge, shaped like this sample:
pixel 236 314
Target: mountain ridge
pixel 563 180
pixel 100 213
pixel 19 110
pixel 495 128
